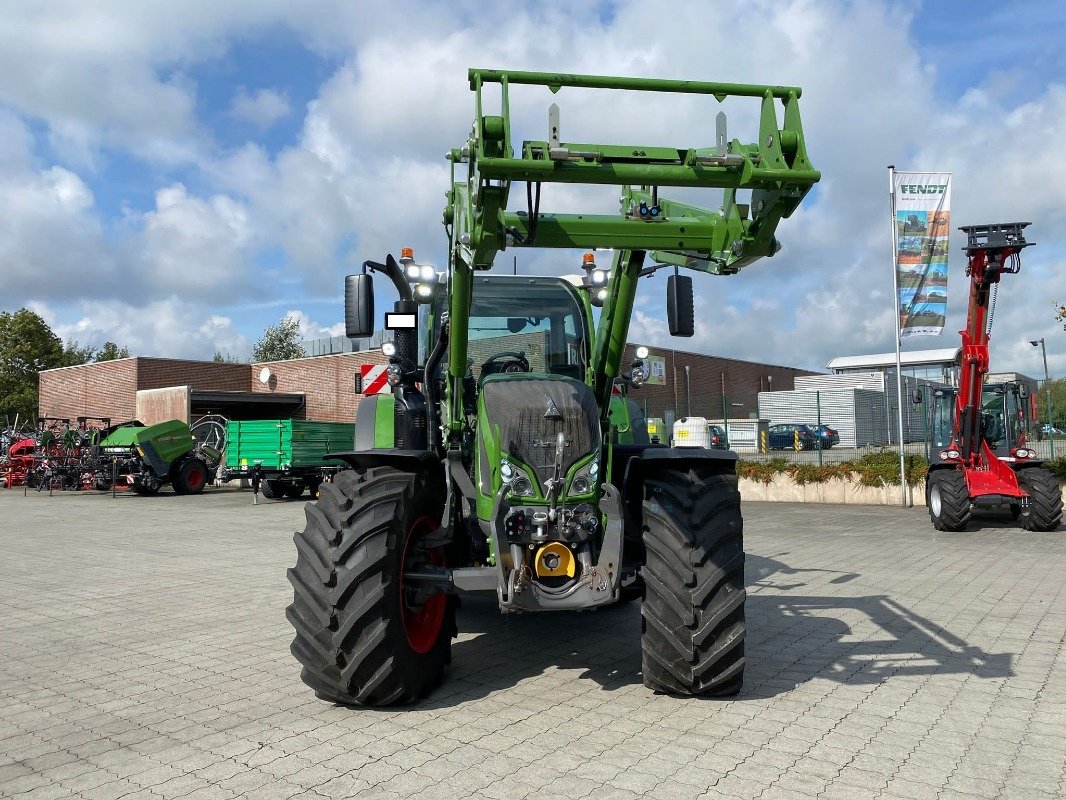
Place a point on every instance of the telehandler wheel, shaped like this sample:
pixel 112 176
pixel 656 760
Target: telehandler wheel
pixel 692 626
pixel 948 499
pixel 362 637
pixel 1045 499
pixel 190 477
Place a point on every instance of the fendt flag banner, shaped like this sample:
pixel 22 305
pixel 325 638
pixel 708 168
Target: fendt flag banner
pixel 922 202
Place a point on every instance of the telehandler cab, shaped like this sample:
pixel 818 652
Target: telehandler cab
pixel 493 467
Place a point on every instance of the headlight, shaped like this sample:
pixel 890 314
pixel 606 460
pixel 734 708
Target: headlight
pixel 393 374
pixel 639 374
pixel 516 479
pixel 584 481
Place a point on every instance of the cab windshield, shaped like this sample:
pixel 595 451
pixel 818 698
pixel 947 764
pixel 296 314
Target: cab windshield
pixel 521 324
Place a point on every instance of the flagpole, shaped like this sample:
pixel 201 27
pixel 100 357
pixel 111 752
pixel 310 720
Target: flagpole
pixel 899 367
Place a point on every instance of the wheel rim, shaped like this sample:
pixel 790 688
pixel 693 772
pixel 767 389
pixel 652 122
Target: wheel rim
pixel 422 622
pixel 935 502
pixel 195 479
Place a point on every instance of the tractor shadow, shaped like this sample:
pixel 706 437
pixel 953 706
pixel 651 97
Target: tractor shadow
pixel 793 637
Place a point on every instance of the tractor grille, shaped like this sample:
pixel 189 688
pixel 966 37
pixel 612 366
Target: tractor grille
pixel 520 405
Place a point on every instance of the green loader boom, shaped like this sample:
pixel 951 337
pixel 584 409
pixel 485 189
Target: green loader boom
pixel 775 168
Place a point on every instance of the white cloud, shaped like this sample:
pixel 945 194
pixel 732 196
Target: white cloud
pixel 262 108
pixel 195 246
pixel 169 327
pixel 311 329
pixel 49 234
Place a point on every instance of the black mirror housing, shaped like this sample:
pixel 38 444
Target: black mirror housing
pixel 358 306
pixel 1023 391
pixel 680 313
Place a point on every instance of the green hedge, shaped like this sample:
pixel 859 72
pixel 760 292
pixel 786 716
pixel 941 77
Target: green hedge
pixel 1058 466
pixel 873 469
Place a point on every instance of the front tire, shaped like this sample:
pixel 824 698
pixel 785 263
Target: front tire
pixel 692 626
pixel 361 637
pixel 1045 499
pixel 948 499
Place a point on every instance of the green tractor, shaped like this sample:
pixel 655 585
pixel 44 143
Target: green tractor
pixel 147 457
pixel 494 467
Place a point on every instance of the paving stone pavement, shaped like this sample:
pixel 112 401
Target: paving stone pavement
pixel 144 654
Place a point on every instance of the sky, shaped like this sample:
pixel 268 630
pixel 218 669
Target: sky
pixel 176 176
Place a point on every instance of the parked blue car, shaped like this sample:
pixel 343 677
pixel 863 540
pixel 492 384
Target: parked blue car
pixel 828 435
pixel 784 436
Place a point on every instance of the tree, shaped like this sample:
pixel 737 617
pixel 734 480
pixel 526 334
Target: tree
pixel 110 351
pixel 27 346
pixel 279 342
pixel 225 358
pixel 1060 312
pixel 74 354
pixel 1057 388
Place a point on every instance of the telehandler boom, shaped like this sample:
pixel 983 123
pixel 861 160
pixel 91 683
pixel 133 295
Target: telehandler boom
pixel 493 467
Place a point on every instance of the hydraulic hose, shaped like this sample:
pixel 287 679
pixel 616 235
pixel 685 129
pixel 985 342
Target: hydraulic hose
pixel 429 388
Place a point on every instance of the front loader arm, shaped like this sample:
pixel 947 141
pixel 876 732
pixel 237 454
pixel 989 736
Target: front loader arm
pixel 775 168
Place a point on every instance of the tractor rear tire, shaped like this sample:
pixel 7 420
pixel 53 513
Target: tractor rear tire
pixel 692 626
pixel 190 477
pixel 1045 499
pixel 948 499
pixel 360 637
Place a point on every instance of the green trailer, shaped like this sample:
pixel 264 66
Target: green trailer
pixel 290 453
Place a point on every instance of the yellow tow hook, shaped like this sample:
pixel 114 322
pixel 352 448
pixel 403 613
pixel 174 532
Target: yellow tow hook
pixel 554 560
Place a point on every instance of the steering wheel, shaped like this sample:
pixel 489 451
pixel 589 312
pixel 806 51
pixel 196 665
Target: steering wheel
pixel 507 362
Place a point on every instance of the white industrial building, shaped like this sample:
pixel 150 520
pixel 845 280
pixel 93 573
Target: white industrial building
pixel 860 400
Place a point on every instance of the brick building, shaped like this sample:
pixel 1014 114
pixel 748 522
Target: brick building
pixel 713 386
pixel 323 387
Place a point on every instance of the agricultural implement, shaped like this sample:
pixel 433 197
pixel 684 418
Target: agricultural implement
pixel 145 458
pixel 495 468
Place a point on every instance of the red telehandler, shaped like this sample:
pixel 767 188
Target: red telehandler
pixel 980 456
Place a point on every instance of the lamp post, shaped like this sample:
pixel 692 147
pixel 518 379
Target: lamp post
pixel 688 393
pixel 1047 391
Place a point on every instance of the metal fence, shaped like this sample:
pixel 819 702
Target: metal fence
pixel 827 426
pixel 816 427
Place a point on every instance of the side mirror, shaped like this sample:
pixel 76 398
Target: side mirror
pixel 1023 391
pixel 358 306
pixel 680 315
pixel 916 397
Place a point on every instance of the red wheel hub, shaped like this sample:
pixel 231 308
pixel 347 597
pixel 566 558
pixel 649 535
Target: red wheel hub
pixel 195 479
pixel 422 622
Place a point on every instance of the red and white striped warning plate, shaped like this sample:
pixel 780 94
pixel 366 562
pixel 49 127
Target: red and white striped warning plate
pixel 373 379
